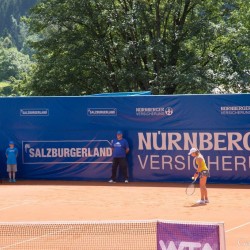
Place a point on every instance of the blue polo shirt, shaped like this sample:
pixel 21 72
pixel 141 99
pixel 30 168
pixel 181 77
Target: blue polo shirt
pixel 119 148
pixel 12 155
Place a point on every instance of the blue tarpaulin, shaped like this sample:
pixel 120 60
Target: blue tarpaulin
pixel 68 138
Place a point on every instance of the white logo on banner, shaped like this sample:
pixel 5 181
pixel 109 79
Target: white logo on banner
pixel 231 145
pixel 91 151
pixel 169 111
pixel 184 245
pixel 27 147
pixel 34 112
pixel 235 110
pixel 102 112
pixel 222 141
pixel 154 111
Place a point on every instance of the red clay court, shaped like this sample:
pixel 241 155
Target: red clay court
pixel 40 201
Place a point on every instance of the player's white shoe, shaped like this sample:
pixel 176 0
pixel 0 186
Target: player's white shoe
pixel 200 202
pixel 111 181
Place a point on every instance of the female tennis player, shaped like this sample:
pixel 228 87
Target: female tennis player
pixel 202 172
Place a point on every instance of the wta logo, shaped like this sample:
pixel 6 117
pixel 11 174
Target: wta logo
pixel 184 236
pixel 184 245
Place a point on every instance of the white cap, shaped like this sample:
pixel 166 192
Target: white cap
pixel 192 150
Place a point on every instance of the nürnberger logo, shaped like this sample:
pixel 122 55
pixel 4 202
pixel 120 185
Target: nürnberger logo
pixel 154 111
pixel 235 110
pixel 169 111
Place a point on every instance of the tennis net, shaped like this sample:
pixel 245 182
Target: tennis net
pixel 109 235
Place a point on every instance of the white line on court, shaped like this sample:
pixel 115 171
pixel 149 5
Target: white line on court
pixel 36 238
pixel 234 228
pixel 16 205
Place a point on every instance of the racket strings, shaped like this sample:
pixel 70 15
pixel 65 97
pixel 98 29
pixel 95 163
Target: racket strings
pixel 190 189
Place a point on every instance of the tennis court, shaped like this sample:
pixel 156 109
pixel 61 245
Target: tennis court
pixel 43 201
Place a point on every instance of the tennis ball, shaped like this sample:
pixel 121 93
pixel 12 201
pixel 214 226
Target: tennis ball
pixel 192 178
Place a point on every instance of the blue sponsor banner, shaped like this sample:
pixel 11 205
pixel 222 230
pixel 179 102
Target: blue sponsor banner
pixel 69 137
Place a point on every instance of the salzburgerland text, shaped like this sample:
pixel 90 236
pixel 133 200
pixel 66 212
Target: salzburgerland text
pixel 60 152
pixel 69 152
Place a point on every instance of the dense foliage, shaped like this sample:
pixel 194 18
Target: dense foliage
pixel 14 51
pixel 10 13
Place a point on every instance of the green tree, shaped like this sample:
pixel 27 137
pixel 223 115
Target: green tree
pixel 14 66
pixel 87 46
pixel 12 63
pixel 10 14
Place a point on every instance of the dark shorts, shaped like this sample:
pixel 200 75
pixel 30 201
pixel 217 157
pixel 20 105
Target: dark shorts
pixel 11 168
pixel 204 173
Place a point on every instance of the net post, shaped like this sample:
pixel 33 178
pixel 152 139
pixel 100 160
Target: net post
pixel 222 236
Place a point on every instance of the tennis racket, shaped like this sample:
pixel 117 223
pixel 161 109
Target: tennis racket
pixel 191 188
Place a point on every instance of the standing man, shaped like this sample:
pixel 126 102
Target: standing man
pixel 11 154
pixel 120 149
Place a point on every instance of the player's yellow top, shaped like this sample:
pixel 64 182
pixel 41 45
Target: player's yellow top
pixel 201 163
